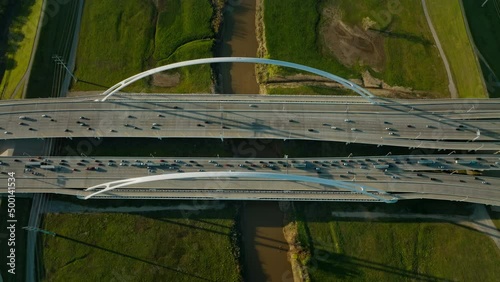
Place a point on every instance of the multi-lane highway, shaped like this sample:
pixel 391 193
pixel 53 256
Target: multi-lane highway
pixel 440 124
pixel 405 177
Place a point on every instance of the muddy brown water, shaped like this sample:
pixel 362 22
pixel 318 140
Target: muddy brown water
pixel 264 245
pixel 239 40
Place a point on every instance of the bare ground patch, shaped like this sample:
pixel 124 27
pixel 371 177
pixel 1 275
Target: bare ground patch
pixel 351 45
pixel 166 80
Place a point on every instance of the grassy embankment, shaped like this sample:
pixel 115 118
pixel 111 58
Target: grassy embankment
pixel 136 36
pixel 16 49
pixel 55 39
pixel 165 246
pixel 411 60
pixel 495 217
pixel 393 249
pixel 484 24
pixel 450 27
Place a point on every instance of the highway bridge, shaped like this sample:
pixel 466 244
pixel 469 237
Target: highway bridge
pixel 382 178
pixel 439 124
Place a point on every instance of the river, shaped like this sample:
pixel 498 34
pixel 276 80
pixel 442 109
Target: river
pixel 238 40
pixel 264 245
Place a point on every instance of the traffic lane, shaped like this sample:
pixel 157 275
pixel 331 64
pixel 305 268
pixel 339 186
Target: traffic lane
pixel 231 106
pixel 103 122
pixel 377 180
pixel 360 165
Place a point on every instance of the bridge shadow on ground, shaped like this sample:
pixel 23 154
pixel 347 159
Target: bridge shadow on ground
pixel 104 87
pixel 348 267
pixel 212 229
pixel 192 276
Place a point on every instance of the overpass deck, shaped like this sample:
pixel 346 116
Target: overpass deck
pixel 404 175
pixel 450 124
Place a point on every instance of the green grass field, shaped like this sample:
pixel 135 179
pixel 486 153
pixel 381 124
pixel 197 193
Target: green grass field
pixel 484 24
pixel 394 250
pixel 158 246
pixel 116 41
pixel 448 21
pixel 135 36
pixel 291 34
pixel 181 22
pixel 411 59
pixel 20 42
pixel 194 79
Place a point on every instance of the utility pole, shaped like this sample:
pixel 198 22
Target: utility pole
pixel 36 229
pixel 59 60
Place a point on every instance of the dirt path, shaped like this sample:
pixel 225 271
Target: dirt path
pixel 479 220
pixel 451 84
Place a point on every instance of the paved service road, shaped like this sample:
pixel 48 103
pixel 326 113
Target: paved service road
pixel 439 124
pixel 435 177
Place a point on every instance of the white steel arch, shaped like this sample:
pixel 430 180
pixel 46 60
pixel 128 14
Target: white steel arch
pixel 124 83
pixel 353 187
